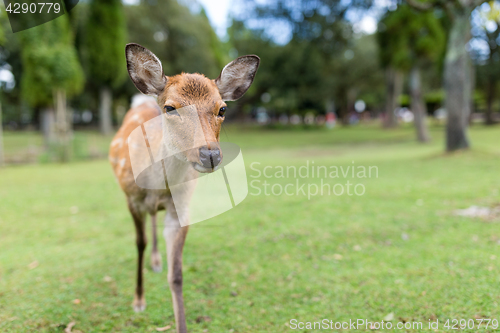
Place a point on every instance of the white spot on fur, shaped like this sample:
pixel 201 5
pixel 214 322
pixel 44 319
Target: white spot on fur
pixel 140 99
pixel 118 141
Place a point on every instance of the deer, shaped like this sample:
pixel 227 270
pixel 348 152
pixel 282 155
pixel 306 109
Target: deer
pixel 173 93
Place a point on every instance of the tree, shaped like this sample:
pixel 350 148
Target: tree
pixel 409 41
pixel 493 72
pixel 103 53
pixel 51 73
pixel 2 159
pixel 489 65
pixel 394 79
pixel 457 68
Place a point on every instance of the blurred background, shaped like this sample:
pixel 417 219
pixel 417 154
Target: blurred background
pixel 325 64
pixel 407 87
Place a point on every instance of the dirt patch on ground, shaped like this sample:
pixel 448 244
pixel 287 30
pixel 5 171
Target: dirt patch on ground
pixel 490 214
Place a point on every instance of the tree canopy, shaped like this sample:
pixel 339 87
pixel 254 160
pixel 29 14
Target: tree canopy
pixel 105 37
pixel 184 41
pixel 50 62
pixel 406 37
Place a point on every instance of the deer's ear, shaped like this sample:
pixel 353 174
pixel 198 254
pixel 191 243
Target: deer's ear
pixel 237 77
pixel 145 70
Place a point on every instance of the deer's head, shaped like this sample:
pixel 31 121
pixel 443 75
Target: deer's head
pixel 192 92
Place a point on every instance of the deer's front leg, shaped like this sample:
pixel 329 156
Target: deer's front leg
pixel 139 303
pixel 175 235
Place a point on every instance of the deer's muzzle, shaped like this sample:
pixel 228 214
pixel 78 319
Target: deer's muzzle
pixel 210 158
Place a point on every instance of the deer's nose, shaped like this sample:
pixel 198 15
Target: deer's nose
pixel 210 158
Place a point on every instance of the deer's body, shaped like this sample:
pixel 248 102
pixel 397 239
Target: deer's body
pixel 173 93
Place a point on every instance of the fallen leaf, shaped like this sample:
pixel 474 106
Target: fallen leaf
pixel 203 319
pixel 161 329
pixel 34 264
pixel 69 327
pixel 389 317
pixel 77 301
pixel 108 279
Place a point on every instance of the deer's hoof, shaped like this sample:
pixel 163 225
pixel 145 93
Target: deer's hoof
pixel 139 304
pixel 156 264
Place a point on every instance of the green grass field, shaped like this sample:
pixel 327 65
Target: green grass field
pixel 65 234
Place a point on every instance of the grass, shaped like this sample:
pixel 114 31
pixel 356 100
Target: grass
pixel 397 249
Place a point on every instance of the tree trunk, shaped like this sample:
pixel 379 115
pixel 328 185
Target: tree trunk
pixel 47 126
pixel 2 159
pixel 492 85
pixel 394 82
pixel 472 88
pixel 351 100
pixel 418 105
pixel 105 123
pixel 62 126
pixel 458 82
pixel 120 112
pixel 343 114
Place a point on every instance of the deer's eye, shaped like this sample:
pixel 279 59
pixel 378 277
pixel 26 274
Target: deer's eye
pixel 169 108
pixel 222 110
